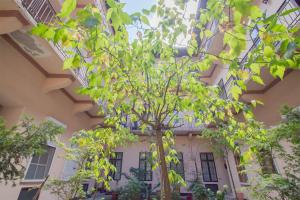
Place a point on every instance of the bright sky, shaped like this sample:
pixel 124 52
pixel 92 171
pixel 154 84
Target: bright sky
pixel 137 5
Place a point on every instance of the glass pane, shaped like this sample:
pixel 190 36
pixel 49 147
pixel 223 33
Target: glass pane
pixel 142 164
pixel 27 193
pixel 118 165
pixel 35 159
pixel 40 172
pixel 205 171
pixel 119 155
pixel 31 171
pixel 180 156
pixel 210 156
pixel 203 156
pixel 44 158
pixel 142 155
pixel 212 170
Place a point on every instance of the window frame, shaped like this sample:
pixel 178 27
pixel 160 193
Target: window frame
pixel 24 179
pixel 209 169
pixel 145 171
pixel 113 174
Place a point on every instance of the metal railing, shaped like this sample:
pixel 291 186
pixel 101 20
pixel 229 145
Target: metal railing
pixel 42 11
pixel 290 21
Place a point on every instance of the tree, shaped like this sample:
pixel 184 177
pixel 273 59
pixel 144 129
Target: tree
pixel 91 151
pixel 153 81
pixel 22 141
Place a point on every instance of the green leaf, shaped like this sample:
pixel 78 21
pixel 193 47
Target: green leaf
pixel 235 92
pixel 255 12
pixel 258 80
pixel 67 8
pixel 39 29
pixel 268 51
pixel 291 47
pixel 255 68
pixel 289 11
pixel 145 20
pixel 68 63
pixel 277 71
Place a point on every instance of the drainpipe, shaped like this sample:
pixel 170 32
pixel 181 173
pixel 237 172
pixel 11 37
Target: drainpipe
pixel 230 173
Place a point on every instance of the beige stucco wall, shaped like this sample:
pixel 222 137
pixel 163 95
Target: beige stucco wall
pixel 21 92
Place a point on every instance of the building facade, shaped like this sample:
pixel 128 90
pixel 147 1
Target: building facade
pixel 33 82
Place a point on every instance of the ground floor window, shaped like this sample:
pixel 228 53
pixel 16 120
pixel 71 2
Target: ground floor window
pixel 28 193
pixel 209 172
pixel 145 166
pixel 178 167
pixel 40 164
pixel 116 160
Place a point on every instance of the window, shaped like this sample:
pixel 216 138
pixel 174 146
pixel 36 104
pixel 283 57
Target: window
pixel 213 187
pixel 266 162
pixel 221 85
pixel 116 160
pixel 40 164
pixel 145 166
pixel 178 167
pixel 28 193
pixel 208 167
pixel 240 168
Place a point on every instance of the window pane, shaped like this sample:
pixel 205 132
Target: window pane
pixel 27 193
pixel 212 170
pixel 35 159
pixel 205 171
pixel 203 156
pixel 31 171
pixel 210 156
pixel 43 158
pixel 40 172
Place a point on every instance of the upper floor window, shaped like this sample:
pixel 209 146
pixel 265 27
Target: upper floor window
pixel 208 167
pixel 145 166
pixel 240 168
pixel 221 85
pixel 28 193
pixel 116 160
pixel 40 164
pixel 266 162
pixel 178 167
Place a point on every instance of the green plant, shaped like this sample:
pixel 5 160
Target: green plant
pixel 285 186
pixel 135 188
pixel 20 142
pixel 200 192
pixel 67 189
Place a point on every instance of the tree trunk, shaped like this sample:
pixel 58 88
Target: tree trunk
pixel 165 183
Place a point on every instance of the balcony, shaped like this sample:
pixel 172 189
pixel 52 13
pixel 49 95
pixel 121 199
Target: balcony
pixel 290 20
pixel 42 11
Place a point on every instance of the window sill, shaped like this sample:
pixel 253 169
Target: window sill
pixel 31 182
pixel 243 184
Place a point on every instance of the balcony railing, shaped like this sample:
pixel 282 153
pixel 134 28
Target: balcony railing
pixel 290 21
pixel 42 11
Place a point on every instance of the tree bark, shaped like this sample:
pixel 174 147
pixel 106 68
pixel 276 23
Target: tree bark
pixel 165 183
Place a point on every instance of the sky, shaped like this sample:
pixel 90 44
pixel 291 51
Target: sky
pixel 133 6
pixel 137 5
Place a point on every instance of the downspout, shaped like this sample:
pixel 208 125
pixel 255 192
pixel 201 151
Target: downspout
pixel 230 173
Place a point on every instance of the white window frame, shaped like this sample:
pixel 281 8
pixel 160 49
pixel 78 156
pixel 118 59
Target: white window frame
pixel 50 144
